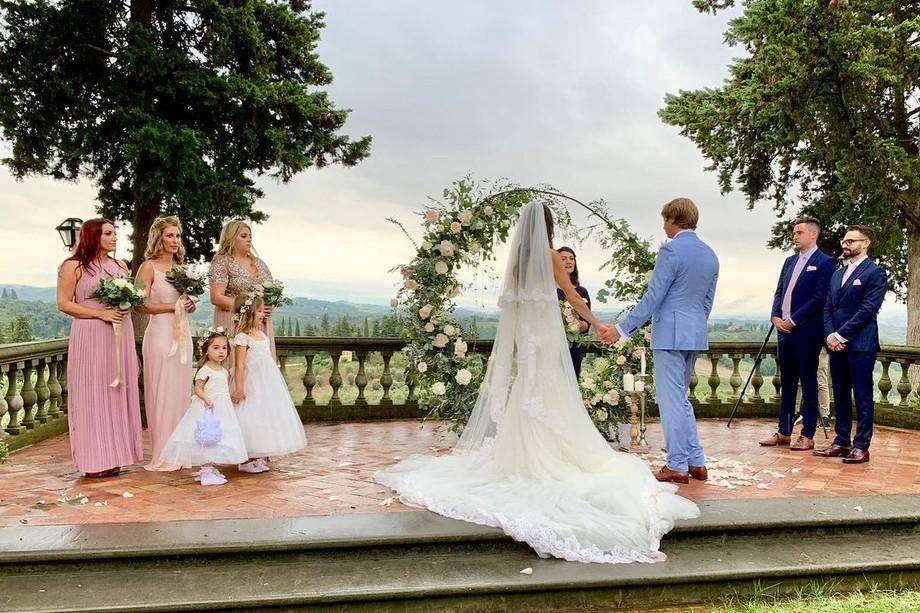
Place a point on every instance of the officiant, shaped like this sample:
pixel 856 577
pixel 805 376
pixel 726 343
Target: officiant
pixel 570 264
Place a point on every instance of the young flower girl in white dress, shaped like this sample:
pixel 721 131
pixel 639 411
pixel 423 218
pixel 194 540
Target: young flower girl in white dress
pixel 209 433
pixel 270 423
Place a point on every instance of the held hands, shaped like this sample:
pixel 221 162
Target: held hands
pixel 113 316
pixel 608 334
pixel 834 344
pixel 783 325
pixel 237 396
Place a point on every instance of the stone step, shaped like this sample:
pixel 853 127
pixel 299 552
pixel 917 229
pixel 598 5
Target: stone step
pixel 417 561
pixel 415 528
pixel 471 577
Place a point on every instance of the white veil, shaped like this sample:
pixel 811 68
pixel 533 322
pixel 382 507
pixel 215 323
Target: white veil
pixel 529 306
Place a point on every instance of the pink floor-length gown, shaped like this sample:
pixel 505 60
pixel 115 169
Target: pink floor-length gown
pixel 167 381
pixel 104 421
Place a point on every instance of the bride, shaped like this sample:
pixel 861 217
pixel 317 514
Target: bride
pixel 530 461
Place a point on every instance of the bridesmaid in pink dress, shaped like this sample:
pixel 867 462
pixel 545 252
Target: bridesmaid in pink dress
pixel 167 378
pixel 104 421
pixel 235 268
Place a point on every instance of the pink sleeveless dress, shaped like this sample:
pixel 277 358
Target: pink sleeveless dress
pixel 167 381
pixel 104 422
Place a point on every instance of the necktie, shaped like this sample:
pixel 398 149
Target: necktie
pixel 787 297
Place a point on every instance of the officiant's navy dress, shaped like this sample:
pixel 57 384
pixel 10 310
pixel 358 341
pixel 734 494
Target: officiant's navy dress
pixel 578 354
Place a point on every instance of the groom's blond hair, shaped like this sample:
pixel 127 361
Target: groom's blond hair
pixel 681 212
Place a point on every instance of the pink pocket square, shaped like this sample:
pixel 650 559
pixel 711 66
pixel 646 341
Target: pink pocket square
pixel 857 282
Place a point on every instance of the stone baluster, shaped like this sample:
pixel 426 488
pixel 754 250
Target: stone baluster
pixel 29 397
pixel 282 364
pixel 884 383
pixel 361 379
pixel 714 379
pixel 756 384
pixel 694 381
pixel 335 378
pixel 54 386
pixel 735 379
pixel 13 398
pixel 904 386
pixel 777 382
pixel 42 391
pixel 386 379
pixel 4 407
pixel 309 380
pixel 63 379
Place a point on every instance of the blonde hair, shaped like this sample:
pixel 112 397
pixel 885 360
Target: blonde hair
pixel 246 313
pixel 155 239
pixel 681 212
pixel 228 235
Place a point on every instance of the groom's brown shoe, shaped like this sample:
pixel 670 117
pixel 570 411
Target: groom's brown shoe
pixel 834 451
pixel 777 440
pixel 672 476
pixel 699 473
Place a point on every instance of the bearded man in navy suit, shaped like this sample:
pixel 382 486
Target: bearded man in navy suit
pixel 851 325
pixel 798 315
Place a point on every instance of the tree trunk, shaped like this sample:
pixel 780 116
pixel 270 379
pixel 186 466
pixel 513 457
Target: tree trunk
pixel 145 211
pixel 913 298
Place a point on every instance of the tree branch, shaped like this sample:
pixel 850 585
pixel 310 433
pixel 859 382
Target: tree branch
pixel 908 209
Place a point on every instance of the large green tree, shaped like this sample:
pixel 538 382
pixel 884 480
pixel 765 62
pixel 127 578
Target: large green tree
pixel 170 107
pixel 821 115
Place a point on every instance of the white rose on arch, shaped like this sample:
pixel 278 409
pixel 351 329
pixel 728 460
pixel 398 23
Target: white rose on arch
pixel 440 341
pixel 464 376
pixel 465 216
pixel 446 248
pixel 429 327
pixel 450 330
pixel 475 248
pixel 440 267
pixel 456 227
pixel 422 367
pixel 487 211
pixel 438 389
pixel 460 348
pixel 410 284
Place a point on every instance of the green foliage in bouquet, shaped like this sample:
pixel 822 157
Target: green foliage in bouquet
pixel 119 293
pixel 273 294
pixel 186 281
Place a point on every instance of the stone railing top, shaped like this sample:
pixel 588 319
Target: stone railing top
pixel 15 352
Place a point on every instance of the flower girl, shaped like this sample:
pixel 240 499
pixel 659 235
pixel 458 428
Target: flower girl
pixel 209 433
pixel 270 423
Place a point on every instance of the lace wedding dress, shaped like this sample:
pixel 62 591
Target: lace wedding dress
pixel 530 461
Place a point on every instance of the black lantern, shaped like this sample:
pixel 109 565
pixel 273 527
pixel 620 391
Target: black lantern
pixel 69 230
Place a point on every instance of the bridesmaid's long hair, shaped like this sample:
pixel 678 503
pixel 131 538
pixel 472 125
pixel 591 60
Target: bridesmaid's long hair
pixel 228 236
pixel 89 241
pixel 573 276
pixel 155 239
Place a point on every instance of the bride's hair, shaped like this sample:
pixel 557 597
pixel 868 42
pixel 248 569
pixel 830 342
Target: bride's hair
pixel 573 276
pixel 548 216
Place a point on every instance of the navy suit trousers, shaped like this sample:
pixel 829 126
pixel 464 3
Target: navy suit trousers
pixel 851 372
pixel 797 355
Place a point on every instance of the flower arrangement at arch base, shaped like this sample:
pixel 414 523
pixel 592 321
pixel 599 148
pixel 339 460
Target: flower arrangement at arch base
pixel 460 231
pixel 602 384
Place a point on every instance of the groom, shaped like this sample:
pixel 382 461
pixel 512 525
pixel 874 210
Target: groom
pixel 678 301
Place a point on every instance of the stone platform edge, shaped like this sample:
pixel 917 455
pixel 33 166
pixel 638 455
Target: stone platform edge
pixel 37 544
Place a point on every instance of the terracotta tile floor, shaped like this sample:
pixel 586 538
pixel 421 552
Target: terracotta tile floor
pixel 334 475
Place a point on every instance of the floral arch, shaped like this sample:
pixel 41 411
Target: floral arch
pixel 461 230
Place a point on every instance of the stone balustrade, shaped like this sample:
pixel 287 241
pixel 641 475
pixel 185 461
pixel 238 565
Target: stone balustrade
pixel 338 379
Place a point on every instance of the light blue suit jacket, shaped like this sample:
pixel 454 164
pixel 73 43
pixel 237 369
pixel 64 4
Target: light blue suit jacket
pixel 679 296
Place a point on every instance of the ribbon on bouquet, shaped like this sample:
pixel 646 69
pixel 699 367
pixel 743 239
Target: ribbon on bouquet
pixel 118 365
pixel 180 332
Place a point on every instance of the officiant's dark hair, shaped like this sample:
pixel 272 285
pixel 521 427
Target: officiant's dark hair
pixel 573 276
pixel 548 216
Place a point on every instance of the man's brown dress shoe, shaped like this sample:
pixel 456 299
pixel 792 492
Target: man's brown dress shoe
pixel 857 456
pixel 802 444
pixel 777 440
pixel 834 451
pixel 699 473
pixel 672 476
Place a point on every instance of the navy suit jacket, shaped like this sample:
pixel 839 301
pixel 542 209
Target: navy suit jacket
pixel 808 295
pixel 852 310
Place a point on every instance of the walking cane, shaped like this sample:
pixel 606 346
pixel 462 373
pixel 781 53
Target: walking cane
pixel 750 375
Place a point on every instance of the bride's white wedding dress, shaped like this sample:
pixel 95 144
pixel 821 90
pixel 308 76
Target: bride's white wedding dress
pixel 530 461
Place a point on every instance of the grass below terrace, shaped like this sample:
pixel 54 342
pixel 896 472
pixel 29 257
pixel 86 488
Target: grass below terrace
pixel 863 602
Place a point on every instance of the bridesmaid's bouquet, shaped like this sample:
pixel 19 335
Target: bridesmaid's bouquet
pixel 273 294
pixel 571 321
pixel 119 293
pixel 186 281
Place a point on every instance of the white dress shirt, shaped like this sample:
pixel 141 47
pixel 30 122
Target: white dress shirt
pixel 851 266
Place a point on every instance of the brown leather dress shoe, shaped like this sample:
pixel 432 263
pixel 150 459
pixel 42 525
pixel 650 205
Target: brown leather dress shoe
pixel 672 476
pixel 777 440
pixel 699 473
pixel 802 444
pixel 857 456
pixel 834 451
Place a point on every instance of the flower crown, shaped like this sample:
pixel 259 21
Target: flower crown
pixel 247 304
pixel 210 333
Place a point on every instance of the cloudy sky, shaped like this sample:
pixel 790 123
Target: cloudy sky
pixel 565 93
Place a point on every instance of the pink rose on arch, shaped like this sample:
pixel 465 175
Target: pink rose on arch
pixel 410 284
pixel 432 216
pixel 456 227
pixel 425 311
pixel 440 341
pixel 446 248
pixel 406 271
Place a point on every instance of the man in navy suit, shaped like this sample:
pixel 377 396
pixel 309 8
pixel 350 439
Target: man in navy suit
pixel 851 325
pixel 798 315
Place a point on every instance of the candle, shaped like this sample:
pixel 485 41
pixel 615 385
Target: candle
pixel 640 385
pixel 628 382
pixel 643 364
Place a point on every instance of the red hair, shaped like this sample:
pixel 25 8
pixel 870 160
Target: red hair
pixel 88 243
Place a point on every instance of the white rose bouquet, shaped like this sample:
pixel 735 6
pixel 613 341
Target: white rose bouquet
pixel 571 321
pixel 186 281
pixel 601 384
pixel 123 295
pixel 273 294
